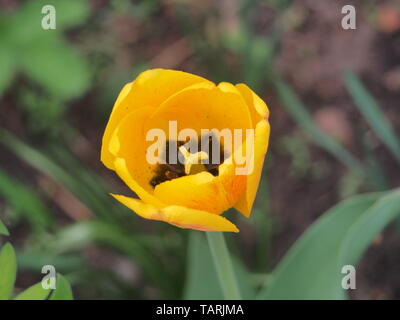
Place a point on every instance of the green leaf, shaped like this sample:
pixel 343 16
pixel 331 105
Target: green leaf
pixel 307 270
pixel 25 200
pixel 370 224
pixel 7 66
pixel 70 13
pixel 63 289
pixel 300 114
pixel 43 54
pixel 262 220
pixel 35 292
pixel 201 278
pixel 26 24
pixel 34 259
pixel 370 109
pixel 42 163
pixel 312 267
pixel 377 171
pixel 3 229
pixel 86 176
pixel 8 271
pixel 56 66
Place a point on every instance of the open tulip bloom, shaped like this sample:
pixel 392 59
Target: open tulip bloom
pixel 188 148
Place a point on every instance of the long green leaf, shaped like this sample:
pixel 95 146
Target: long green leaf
pixel 7 64
pixel 300 114
pixel 312 267
pixel 370 224
pixel 86 176
pixel 25 200
pixel 8 271
pixel 63 290
pixel 45 165
pixel 262 221
pixel 3 229
pixel 35 292
pixel 370 109
pixel 307 270
pixel 201 279
pixel 34 259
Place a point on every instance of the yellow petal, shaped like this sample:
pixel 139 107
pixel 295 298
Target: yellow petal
pixel 259 115
pixel 233 184
pixel 128 147
pixel 179 216
pixel 201 191
pixel 121 169
pixel 149 89
pixel 245 203
pixel 257 107
pixel 204 106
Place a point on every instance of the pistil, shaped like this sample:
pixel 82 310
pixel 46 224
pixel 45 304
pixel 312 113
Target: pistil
pixel 192 158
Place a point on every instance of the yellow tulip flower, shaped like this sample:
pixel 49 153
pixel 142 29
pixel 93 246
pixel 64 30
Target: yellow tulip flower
pixel 191 194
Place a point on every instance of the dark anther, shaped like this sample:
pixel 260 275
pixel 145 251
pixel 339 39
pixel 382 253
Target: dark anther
pixel 169 171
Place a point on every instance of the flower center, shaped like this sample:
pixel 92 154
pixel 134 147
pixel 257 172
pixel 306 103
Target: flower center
pixel 188 163
pixel 192 158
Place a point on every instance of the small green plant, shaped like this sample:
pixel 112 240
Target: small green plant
pixel 8 273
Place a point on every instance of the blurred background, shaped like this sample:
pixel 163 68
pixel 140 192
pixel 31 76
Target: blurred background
pixel 334 99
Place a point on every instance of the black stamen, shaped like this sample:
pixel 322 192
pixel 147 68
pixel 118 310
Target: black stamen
pixel 169 171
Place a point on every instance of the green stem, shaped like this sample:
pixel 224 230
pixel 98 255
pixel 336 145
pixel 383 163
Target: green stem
pixel 223 264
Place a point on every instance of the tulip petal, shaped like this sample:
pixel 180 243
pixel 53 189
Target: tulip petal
pixel 149 89
pixel 259 115
pixel 204 106
pixel 245 203
pixel 179 216
pixel 122 170
pixel 233 184
pixel 200 191
pixel 257 107
pixel 128 146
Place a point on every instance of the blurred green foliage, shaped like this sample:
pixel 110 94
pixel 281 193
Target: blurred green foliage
pixel 58 70
pixel 8 274
pixel 23 200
